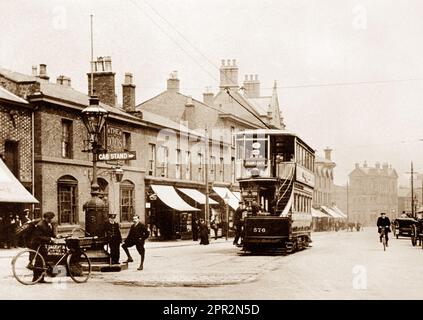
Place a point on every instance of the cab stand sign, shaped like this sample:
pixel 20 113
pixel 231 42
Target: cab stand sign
pixel 110 156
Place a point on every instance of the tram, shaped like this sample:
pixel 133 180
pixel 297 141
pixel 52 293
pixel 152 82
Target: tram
pixel 275 171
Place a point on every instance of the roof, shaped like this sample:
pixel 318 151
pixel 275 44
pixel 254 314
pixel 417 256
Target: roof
pixel 370 171
pixel 19 77
pixel 261 104
pixel 9 96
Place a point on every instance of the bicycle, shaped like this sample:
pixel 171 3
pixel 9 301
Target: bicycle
pixel 383 236
pixel 67 256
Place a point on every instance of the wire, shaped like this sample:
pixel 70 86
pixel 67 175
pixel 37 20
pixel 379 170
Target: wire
pixel 258 118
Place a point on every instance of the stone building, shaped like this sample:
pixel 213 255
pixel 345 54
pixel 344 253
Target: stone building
pixel 372 190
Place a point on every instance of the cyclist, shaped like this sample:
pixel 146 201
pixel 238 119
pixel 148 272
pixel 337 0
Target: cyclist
pixel 42 235
pixel 383 222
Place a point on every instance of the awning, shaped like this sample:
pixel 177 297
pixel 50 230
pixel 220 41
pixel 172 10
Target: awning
pixel 331 212
pixel 237 194
pixel 11 190
pixel 337 210
pixel 170 197
pixel 223 192
pixel 315 213
pixel 197 196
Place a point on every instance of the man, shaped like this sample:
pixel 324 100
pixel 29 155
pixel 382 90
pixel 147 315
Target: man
pixel 42 235
pixel 383 222
pixel 136 237
pixel 238 222
pixel 113 238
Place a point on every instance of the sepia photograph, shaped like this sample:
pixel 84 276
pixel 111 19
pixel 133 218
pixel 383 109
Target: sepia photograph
pixel 228 151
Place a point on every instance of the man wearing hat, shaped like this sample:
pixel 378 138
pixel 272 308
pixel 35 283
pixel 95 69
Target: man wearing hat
pixel 42 235
pixel 238 221
pixel 383 223
pixel 113 237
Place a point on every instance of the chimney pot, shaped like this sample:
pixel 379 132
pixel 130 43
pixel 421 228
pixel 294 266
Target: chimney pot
pixel 251 77
pixel 357 165
pixel 223 62
pixel 173 82
pixel 246 77
pixel 43 72
pixel 34 71
pixel 234 62
pixel 228 62
pixel 256 77
pixel 128 78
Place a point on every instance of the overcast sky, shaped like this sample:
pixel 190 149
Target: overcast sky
pixel 350 73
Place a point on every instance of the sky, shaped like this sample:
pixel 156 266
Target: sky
pixel 349 72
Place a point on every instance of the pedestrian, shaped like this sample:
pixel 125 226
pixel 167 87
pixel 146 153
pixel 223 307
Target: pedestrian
pixel 194 225
pixel 383 223
pixel 137 235
pixel 204 233
pixel 238 223
pixel 11 229
pixel 214 226
pixel 113 238
pixel 42 235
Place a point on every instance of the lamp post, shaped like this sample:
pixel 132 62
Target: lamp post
pixel 226 200
pixel 94 118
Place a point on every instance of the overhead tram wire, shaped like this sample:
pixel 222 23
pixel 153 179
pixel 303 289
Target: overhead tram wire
pixel 258 118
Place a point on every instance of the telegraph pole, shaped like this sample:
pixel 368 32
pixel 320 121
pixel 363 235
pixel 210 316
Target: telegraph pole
pixel 412 190
pixel 206 169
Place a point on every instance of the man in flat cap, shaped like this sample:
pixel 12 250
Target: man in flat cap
pixel 113 237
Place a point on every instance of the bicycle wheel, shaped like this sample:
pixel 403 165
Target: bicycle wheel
pixel 384 243
pixel 25 263
pixel 79 266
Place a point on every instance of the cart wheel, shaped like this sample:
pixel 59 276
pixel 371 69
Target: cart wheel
pixel 25 263
pixel 79 266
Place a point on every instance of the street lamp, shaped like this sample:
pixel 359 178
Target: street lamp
pixel 94 118
pixel 226 200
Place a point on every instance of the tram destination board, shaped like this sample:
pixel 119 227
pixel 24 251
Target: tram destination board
pixel 127 155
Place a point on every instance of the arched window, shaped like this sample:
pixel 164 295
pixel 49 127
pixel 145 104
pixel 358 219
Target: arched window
pixel 67 200
pixel 127 195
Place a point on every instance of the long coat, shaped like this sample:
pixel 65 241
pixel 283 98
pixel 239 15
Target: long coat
pixel 112 232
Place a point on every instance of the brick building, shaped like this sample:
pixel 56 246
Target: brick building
pixel 372 190
pixel 16 140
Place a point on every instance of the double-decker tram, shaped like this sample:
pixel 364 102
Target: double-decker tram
pixel 275 170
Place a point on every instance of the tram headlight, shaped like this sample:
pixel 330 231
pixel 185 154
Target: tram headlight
pixel 255 172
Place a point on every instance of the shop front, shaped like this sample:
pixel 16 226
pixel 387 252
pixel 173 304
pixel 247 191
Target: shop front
pixel 169 217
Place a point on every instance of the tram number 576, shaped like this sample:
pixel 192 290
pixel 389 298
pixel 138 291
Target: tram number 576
pixel 259 230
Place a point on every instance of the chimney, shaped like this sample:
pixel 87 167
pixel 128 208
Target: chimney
pixel 328 152
pixel 377 165
pixel 357 165
pixel 189 112
pixel 104 80
pixel 252 86
pixel 173 82
pixel 208 97
pixel 365 164
pixel 63 80
pixel 128 93
pixel 385 166
pixel 43 72
pixel 229 75
pixel 34 71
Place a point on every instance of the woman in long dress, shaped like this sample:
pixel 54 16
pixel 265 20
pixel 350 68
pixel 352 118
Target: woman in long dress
pixel 204 232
